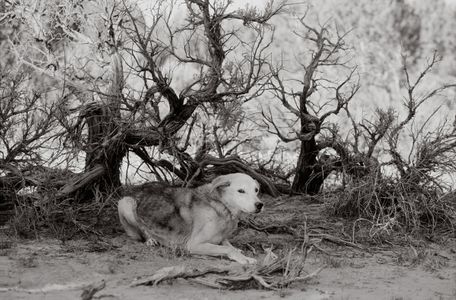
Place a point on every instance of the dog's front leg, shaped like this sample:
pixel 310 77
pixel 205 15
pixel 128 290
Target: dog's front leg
pixel 249 259
pixel 228 244
pixel 220 250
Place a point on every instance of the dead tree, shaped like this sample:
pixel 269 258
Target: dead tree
pixel 107 130
pixel 327 50
pixel 206 44
pixel 107 120
pixel 104 145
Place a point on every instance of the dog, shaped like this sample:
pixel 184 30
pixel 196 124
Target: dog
pixel 200 220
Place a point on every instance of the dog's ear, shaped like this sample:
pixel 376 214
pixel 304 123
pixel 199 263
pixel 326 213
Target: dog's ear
pixel 219 182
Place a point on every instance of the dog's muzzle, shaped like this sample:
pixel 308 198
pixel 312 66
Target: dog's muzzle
pixel 258 206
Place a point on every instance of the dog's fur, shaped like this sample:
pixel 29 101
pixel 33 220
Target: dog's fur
pixel 201 219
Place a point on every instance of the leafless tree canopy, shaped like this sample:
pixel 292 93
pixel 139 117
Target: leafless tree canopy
pixel 327 50
pixel 185 90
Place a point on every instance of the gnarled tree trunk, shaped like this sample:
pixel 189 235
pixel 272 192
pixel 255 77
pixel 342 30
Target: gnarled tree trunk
pixel 308 178
pixel 105 147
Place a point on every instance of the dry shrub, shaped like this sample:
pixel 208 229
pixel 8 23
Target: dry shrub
pixel 397 204
pixel 37 214
pixel 418 196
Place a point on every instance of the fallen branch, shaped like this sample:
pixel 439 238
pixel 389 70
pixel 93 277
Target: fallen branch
pixel 302 278
pixel 271 273
pixel 81 180
pixel 336 240
pixel 178 272
pixel 92 289
pixel 244 281
pixel 54 287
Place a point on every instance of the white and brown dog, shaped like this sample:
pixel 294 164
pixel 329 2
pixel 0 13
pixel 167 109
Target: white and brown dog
pixel 201 220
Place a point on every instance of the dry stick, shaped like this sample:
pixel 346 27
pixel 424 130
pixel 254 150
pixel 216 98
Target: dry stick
pixel 55 287
pixel 207 283
pixel 337 240
pixel 268 228
pixel 306 235
pixel 262 282
pixel 177 272
pixel 272 267
pixel 227 282
pixel 91 290
pixel 243 280
pixel 287 267
pixel 301 279
pixel 319 248
pixel 305 242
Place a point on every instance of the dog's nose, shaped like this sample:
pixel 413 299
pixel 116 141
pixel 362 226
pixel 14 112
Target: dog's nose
pixel 259 206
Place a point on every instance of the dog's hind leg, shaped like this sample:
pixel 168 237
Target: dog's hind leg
pixel 128 218
pixel 134 226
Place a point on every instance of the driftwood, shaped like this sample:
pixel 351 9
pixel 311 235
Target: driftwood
pixel 272 273
pixel 91 290
pixel 177 272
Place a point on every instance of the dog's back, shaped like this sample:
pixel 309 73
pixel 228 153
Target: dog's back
pixel 166 214
pixel 160 207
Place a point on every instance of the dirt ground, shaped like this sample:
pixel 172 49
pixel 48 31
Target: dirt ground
pixel 51 269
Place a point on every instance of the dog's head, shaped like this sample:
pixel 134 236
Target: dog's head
pixel 239 191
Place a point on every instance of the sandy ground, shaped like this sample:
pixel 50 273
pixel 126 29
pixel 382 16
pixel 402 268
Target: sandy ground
pixel 50 269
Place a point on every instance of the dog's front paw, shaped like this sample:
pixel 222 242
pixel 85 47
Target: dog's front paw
pixel 251 260
pixel 151 242
pixel 241 258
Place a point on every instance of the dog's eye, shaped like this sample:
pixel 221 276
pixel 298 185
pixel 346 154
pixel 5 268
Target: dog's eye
pixel 241 191
pixel 256 190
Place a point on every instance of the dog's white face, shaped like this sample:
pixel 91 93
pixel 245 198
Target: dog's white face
pixel 240 191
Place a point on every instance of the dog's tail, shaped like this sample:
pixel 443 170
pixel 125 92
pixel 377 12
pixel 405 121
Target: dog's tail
pixel 128 218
